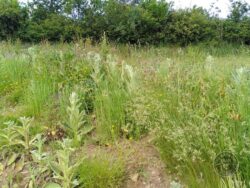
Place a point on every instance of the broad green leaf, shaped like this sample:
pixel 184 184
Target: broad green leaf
pixel 87 129
pixel 55 167
pixel 1 169
pixel 19 165
pixel 52 185
pixel 12 159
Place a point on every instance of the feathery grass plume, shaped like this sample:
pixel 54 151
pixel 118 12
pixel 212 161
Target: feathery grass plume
pixel 241 74
pixel 131 81
pixel 104 47
pixel 110 98
pixel 209 63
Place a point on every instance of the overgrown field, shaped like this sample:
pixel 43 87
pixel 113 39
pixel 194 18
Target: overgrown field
pixel 57 100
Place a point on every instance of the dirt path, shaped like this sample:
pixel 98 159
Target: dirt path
pixel 143 164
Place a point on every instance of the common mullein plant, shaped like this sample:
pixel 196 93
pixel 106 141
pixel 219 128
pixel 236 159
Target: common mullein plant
pixel 18 135
pixel 39 167
pixel 77 120
pixel 62 166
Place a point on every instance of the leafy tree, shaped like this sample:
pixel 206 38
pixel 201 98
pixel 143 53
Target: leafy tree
pixel 142 23
pixel 236 27
pixel 41 9
pixel 244 31
pixel 54 28
pixel 76 8
pixel 125 21
pixel 93 23
pixel 12 19
pixel 51 6
pixel 188 26
pixel 239 10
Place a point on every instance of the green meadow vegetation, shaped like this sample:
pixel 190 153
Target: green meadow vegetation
pixel 57 99
pixel 120 93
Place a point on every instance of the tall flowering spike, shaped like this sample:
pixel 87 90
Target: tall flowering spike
pixel 73 99
pixel 76 117
pixel 131 82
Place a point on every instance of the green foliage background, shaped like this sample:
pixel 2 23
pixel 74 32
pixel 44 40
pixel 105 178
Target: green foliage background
pixel 140 22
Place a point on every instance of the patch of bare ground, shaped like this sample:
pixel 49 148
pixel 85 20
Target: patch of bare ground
pixel 143 164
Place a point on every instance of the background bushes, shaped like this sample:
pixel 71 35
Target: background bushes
pixel 12 19
pixel 140 22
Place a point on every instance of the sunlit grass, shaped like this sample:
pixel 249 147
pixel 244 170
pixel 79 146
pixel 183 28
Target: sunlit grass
pixel 194 101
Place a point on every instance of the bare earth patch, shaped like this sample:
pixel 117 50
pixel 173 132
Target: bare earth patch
pixel 143 164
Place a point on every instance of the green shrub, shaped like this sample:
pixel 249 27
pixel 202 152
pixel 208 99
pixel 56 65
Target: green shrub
pixel 137 22
pixel 12 19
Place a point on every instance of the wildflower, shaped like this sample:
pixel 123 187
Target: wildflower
pixel 180 51
pixel 234 116
pixel 92 56
pixel 175 184
pixel 125 130
pixel 209 59
pixel 240 75
pixel 53 133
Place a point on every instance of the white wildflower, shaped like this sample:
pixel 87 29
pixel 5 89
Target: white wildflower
pixel 240 75
pixel 180 51
pixel 209 62
pixel 175 184
pixel 209 59
pixel 93 56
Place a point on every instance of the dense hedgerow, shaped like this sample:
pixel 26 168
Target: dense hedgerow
pixel 140 22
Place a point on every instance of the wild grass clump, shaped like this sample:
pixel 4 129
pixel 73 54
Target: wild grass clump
pixel 203 117
pixel 101 173
pixel 111 95
pixel 13 75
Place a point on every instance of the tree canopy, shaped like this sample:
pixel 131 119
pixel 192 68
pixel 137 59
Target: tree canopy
pixel 125 21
